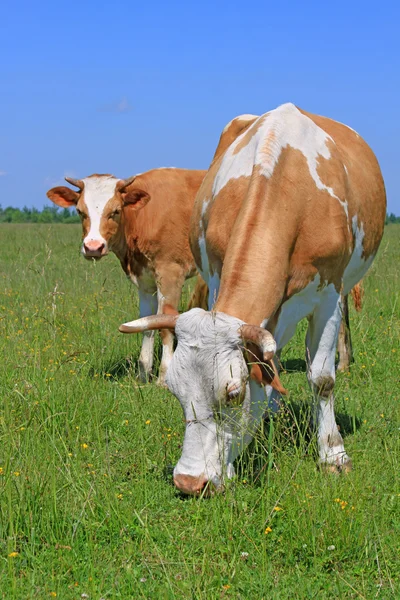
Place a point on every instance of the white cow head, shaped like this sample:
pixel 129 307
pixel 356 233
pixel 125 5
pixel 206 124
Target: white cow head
pixel 209 375
pixel 99 203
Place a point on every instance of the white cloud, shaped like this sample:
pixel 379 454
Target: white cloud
pixel 3 173
pixel 122 106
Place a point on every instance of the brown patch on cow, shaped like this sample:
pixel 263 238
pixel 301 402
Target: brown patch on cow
pixel 357 293
pixel 365 194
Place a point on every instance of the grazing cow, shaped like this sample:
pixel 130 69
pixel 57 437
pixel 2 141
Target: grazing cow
pixel 290 215
pixel 144 220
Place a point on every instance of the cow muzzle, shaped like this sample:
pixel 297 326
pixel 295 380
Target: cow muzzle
pixel 94 249
pixel 193 486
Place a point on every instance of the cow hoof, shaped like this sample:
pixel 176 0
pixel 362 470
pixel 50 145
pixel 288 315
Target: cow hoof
pixel 337 468
pixel 161 383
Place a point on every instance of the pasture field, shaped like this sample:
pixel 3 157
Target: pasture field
pixel 87 504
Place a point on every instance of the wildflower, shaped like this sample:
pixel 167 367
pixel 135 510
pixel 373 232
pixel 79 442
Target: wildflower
pixel 53 594
pixel 17 473
pixel 143 580
pixel 382 415
pixel 126 422
pixel 331 547
pixel 148 422
pixel 268 530
pixel 84 446
pixel 1 471
pixel 226 587
pixel 13 554
pixel 244 555
pixel 277 508
pixel 119 496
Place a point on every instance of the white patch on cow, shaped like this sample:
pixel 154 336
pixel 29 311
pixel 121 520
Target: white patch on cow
pixel 357 266
pixel 97 192
pixel 283 127
pixel 298 307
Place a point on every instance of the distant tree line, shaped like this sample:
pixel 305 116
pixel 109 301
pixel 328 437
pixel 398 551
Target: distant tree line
pixel 53 214
pixel 391 219
pixel 50 214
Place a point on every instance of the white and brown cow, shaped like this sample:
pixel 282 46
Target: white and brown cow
pixel 144 220
pixel 289 216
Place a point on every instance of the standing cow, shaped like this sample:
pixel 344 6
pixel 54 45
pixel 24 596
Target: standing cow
pixel 290 214
pixel 144 220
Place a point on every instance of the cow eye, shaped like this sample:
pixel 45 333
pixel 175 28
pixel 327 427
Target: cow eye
pixel 114 214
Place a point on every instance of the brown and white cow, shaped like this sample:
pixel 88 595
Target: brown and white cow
pixel 289 216
pixel 144 220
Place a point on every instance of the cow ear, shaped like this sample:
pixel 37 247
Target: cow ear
pixel 137 199
pixel 63 196
pixel 263 371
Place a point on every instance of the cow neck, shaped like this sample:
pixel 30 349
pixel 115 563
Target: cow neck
pixel 256 265
pixel 125 247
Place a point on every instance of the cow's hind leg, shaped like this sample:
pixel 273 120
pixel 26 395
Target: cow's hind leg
pixel 345 348
pixel 321 343
pixel 147 307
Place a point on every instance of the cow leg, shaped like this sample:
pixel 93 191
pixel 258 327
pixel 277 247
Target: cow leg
pixel 345 347
pixel 169 289
pixel 147 307
pixel 321 342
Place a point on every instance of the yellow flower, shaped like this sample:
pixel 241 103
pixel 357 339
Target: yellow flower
pixel 119 496
pixel 268 530
pixel 277 508
pixel 148 422
pixel 53 594
pixel 13 554
pixel 1 471
pixel 84 446
pixel 17 473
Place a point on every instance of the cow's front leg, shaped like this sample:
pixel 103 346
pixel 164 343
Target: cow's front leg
pixel 321 343
pixel 170 280
pixel 147 307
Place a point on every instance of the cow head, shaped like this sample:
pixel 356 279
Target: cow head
pixel 99 203
pixel 209 374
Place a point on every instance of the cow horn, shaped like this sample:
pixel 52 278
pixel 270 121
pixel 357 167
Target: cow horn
pixel 148 323
pixel 76 182
pixel 123 183
pixel 261 337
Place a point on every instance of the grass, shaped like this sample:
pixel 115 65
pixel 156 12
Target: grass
pixel 87 504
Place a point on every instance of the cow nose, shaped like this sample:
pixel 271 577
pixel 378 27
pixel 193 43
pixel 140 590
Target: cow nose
pixel 188 484
pixel 93 248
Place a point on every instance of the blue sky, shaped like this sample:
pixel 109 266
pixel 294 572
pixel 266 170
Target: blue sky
pixel 125 87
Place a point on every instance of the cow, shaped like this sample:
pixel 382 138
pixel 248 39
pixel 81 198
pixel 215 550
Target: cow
pixel 144 220
pixel 289 216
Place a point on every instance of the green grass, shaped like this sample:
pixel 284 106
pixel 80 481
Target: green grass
pixel 86 494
